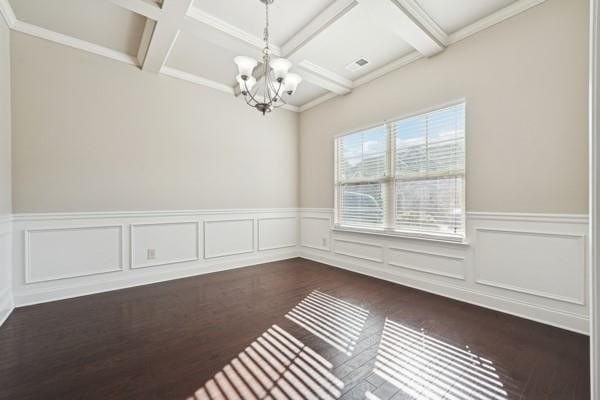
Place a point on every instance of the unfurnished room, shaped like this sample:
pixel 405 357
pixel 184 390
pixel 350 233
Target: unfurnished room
pixel 299 199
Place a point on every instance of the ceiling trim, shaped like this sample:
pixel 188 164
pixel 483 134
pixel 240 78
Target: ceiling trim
pixel 7 12
pixel 257 43
pixel 499 16
pixel 147 8
pixel 394 65
pixel 317 101
pixel 198 80
pixel 327 17
pixel 427 23
pixel 412 30
pixel 176 73
pixel 165 34
pixel 70 41
pixel 145 40
pixel 493 19
pixel 325 73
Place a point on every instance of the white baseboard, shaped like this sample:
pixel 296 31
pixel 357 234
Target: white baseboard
pixel 6 305
pixel 557 318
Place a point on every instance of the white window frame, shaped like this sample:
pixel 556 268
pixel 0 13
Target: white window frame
pixel 389 182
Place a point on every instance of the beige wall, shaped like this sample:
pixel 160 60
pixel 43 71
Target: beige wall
pixel 5 150
pixel 525 81
pixel 91 134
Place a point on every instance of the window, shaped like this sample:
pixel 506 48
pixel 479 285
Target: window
pixel 404 176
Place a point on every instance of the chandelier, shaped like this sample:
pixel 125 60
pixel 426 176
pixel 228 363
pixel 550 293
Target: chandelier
pixel 274 81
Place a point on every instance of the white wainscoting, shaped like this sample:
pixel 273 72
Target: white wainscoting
pixel 6 295
pixel 529 265
pixel 62 255
pixel 532 266
pixel 277 233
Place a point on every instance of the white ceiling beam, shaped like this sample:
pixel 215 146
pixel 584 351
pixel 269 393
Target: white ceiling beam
pixel 165 33
pixel 417 29
pixel 7 13
pixel 324 78
pixel 145 40
pixel 147 8
pixel 331 14
pixel 214 30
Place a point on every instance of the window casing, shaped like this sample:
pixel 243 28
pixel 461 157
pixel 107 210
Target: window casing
pixel 405 176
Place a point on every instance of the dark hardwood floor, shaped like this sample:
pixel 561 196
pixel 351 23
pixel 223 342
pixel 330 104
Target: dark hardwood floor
pixel 294 329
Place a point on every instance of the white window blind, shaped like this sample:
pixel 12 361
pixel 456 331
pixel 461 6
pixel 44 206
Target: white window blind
pixel 429 171
pixel 362 169
pixel 406 175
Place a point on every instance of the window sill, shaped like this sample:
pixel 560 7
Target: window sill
pixel 403 235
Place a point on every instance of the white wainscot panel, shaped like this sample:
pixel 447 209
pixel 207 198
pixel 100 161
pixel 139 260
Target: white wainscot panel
pixel 228 237
pixel 357 249
pixel 60 253
pixel 277 233
pixel 436 263
pixel 163 243
pixel 315 232
pixel 550 265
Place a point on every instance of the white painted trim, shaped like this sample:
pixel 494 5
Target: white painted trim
pixel 22 217
pixel 175 73
pixel 8 14
pixel 429 25
pixel 216 221
pixel 70 41
pixel 132 227
pixel 505 13
pixel 43 295
pixel 7 305
pixel 326 18
pixel 323 81
pixel 198 16
pixel 164 36
pixel 550 316
pixel 260 248
pixel 412 27
pixel 147 8
pixel 531 217
pixel 27 248
pixel 354 255
pixel 594 190
pixel 429 270
pixel 325 73
pixel 386 69
pixel 317 101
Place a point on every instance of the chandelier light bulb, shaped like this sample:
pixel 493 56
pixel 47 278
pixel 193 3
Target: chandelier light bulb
pixel 280 67
pixel 245 66
pixel 291 82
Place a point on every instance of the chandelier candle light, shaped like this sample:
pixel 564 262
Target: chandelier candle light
pixel 274 82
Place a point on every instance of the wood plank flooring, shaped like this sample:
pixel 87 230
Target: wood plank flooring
pixel 293 329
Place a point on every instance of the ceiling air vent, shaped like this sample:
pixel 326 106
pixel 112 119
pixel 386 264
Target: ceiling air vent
pixel 358 64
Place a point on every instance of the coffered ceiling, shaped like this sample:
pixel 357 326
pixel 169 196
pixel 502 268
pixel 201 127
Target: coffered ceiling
pixel 196 40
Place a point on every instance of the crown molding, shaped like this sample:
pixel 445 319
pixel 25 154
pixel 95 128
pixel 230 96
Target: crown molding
pixel 317 101
pixel 503 14
pixel 7 12
pixel 147 8
pixel 321 22
pixel 198 80
pixel 196 15
pixel 70 41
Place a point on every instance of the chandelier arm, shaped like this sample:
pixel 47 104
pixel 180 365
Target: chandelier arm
pixel 249 93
